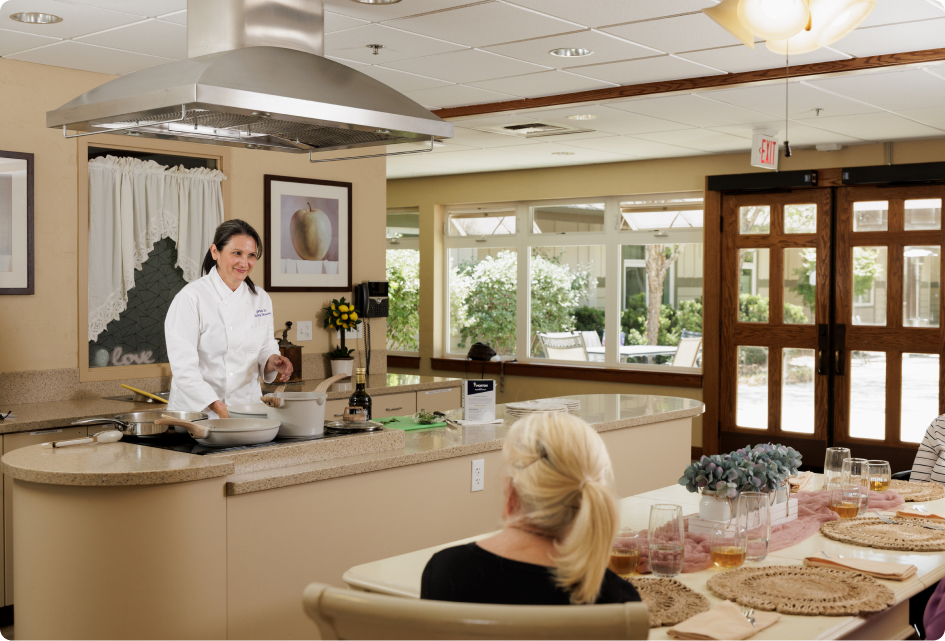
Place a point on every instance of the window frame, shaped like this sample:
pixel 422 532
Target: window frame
pixel 402 243
pixel 611 238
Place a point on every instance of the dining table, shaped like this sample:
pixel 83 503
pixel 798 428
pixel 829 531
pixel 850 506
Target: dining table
pixel 400 575
pixel 647 352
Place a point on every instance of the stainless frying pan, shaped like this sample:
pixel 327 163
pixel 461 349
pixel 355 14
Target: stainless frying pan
pixel 225 432
pixel 143 423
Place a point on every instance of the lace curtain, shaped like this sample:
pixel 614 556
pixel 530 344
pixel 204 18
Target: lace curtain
pixel 132 205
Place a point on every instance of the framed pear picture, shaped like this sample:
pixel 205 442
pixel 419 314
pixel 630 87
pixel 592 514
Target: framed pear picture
pixel 308 235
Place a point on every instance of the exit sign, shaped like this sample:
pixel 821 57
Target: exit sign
pixel 764 152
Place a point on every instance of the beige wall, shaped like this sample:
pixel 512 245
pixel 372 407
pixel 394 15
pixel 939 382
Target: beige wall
pixel 639 177
pixel 40 331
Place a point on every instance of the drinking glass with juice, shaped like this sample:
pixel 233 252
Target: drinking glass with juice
pixel 625 553
pixel 728 544
pixel 845 499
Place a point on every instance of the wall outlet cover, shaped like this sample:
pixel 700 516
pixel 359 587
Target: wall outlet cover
pixel 350 334
pixel 478 474
pixel 303 331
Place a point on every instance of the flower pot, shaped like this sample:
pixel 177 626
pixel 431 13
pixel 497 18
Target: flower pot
pixel 342 366
pixel 713 509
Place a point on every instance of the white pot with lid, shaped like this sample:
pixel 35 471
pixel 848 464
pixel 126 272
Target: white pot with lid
pixel 301 414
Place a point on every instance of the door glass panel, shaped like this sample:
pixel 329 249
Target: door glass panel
pixel 924 214
pixel 754 220
pixel 754 287
pixel 869 285
pixel 920 287
pixel 920 381
pixel 751 402
pixel 797 391
pixel 800 219
pixel 868 395
pixel 871 216
pixel 800 285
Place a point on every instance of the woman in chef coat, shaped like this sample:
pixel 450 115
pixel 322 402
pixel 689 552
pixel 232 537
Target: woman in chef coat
pixel 219 329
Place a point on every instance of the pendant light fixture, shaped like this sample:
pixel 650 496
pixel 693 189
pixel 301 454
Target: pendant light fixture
pixel 808 24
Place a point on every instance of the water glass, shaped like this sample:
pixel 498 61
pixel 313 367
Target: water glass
pixel 666 540
pixel 625 552
pixel 753 513
pixel 833 463
pixel 846 498
pixel 728 543
pixel 857 471
pixel 880 475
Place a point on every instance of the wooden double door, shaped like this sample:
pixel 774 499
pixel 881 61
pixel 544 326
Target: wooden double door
pixel 831 320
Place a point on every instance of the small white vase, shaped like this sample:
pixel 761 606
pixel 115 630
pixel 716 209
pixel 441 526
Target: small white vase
pixel 712 509
pixel 342 366
pixel 781 495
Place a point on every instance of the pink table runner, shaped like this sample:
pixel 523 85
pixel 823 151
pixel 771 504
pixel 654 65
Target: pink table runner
pixel 812 512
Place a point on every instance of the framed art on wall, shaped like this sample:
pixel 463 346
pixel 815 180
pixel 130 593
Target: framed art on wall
pixel 16 223
pixel 308 235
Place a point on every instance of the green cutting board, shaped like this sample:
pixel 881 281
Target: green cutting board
pixel 407 423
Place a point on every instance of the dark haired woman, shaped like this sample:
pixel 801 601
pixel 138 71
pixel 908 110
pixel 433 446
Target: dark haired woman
pixel 219 329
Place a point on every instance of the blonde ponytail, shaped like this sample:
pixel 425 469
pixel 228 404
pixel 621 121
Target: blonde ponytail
pixel 561 472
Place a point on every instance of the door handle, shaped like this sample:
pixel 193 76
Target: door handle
pixel 823 349
pixel 839 349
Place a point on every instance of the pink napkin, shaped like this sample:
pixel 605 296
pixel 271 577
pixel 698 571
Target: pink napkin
pixel 724 621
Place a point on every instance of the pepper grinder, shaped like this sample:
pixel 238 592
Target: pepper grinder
pixel 292 352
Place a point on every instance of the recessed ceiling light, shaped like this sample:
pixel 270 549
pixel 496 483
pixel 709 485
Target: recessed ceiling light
pixel 33 17
pixel 582 117
pixel 570 53
pixel 562 153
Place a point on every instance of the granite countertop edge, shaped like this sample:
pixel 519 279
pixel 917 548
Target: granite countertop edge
pixel 121 479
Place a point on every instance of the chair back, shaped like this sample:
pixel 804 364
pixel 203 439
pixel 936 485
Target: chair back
pixel 686 352
pixel 348 614
pixel 591 339
pixel 563 347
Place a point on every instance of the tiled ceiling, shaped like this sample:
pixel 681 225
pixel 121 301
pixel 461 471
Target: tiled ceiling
pixel 447 53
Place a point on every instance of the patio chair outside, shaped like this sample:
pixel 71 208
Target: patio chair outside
pixel 686 352
pixel 563 347
pixel 592 340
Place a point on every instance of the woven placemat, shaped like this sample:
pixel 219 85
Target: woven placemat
pixel 916 491
pixel 906 535
pixel 669 601
pixel 801 590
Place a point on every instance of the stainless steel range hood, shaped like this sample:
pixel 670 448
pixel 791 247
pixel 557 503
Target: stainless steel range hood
pixel 260 81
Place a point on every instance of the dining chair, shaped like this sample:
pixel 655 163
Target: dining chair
pixel 563 347
pixel 592 340
pixel 686 352
pixel 349 614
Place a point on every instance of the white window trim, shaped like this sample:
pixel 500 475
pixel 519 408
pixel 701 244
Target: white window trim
pixel 402 243
pixel 612 238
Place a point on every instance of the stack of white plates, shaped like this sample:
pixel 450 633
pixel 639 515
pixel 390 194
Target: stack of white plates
pixel 534 407
pixel 572 404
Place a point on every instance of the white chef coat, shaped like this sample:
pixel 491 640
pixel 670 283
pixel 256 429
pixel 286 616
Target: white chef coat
pixel 218 343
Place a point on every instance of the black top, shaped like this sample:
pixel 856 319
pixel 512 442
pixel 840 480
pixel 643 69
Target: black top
pixel 470 574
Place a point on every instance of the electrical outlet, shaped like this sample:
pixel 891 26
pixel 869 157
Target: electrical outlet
pixel 478 474
pixel 303 331
pixel 350 334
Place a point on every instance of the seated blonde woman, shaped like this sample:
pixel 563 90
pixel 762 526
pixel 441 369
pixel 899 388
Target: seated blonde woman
pixel 560 518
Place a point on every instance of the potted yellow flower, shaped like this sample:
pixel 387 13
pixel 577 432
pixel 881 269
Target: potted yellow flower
pixel 340 316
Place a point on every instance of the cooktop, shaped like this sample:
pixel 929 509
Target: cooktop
pixel 183 443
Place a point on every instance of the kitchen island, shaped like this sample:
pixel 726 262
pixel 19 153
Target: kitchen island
pixel 222 547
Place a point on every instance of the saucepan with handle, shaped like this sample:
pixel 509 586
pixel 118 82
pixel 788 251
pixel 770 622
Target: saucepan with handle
pixel 226 432
pixel 143 423
pixel 302 414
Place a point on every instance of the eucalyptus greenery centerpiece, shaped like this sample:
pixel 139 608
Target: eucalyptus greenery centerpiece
pixel 763 468
pixel 340 316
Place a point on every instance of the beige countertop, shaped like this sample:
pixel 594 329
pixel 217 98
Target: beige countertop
pixel 32 417
pixel 297 463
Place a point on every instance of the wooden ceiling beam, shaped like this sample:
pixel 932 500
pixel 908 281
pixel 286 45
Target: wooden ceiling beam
pixel 799 72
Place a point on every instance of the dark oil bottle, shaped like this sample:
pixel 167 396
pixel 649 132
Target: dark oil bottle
pixel 360 398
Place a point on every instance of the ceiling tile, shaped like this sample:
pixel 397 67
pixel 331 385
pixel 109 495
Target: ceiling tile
pixel 803 100
pixel 78 55
pixel 740 58
pixel 692 110
pixel 151 37
pixel 609 120
pixel 911 36
pixel 177 18
pixel 456 96
pixel 149 8
pixel 799 135
pixel 606 49
pixel 546 83
pixel 893 11
pixel 636 147
pixel 381 12
pixel 77 20
pixel 443 147
pixel 672 35
pixel 398 45
pixel 878 127
pixel 701 139
pixel 897 90
pixel 545 153
pixel 338 22
pixel 634 72
pixel 597 13
pixel 13 41
pixel 354 64
pixel 485 24
pixel 468 65
pixel 483 140
pixel 402 81
pixel 934 117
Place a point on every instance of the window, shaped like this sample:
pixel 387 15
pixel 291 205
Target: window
pixel 531 280
pixel 403 275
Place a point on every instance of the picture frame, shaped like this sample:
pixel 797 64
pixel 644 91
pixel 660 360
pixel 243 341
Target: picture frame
pixel 16 224
pixel 308 244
